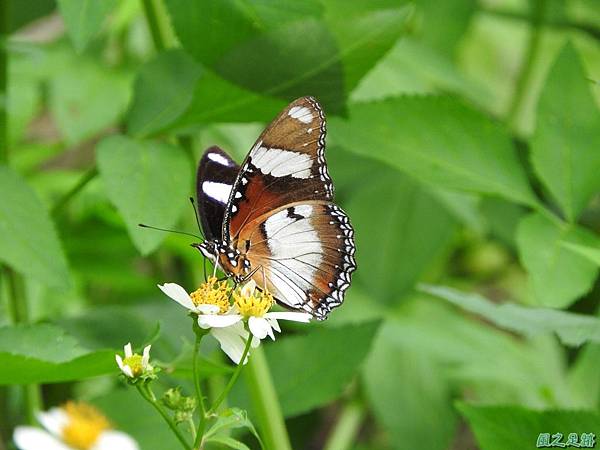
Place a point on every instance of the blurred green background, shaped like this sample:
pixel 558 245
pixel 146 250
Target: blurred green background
pixel 464 143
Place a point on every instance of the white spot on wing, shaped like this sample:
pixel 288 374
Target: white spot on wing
pixel 280 163
pixel 219 159
pixel 218 191
pixel 301 113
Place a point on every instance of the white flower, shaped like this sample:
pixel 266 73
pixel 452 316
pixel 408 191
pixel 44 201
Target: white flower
pixel 134 365
pixel 225 328
pixel 255 308
pixel 75 426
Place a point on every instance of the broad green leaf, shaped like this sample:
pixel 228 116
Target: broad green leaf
pixel 44 354
pixel 409 395
pixel 290 48
pixel 85 98
pixel 399 242
pixel 591 252
pixel 557 275
pixel 84 19
pixel 564 149
pixel 162 92
pixel 517 428
pixel 228 442
pixel 309 371
pixel 583 376
pixel 28 239
pixel 437 140
pixel 147 181
pixel 572 329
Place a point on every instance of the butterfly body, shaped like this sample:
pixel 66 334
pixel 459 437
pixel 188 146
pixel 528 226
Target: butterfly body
pixel 273 219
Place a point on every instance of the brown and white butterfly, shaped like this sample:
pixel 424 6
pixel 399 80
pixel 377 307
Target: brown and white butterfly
pixel 273 219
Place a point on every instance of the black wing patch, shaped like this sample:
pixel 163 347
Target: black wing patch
pixel 216 174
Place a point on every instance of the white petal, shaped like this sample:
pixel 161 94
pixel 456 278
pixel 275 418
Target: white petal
pixel 146 356
pixel 259 327
pixel 127 371
pixel 218 321
pixel 30 438
pixel 178 294
pixel 119 361
pixel 248 289
pixel 231 343
pixel 115 440
pixel 274 324
pixel 208 309
pixel 288 315
pixel 53 420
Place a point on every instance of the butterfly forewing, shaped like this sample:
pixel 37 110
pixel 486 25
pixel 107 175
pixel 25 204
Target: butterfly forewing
pixel 216 175
pixel 285 165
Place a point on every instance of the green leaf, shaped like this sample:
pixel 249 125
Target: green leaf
pixel 84 19
pixel 517 428
pixel 28 239
pixel 413 224
pixel 45 354
pixel 228 442
pixel 572 329
pixel 557 275
pixel 230 419
pixel 147 181
pixel 564 149
pixel 309 371
pixel 591 252
pixel 290 48
pixel 437 140
pixel 399 379
pixel 162 92
pixel 85 98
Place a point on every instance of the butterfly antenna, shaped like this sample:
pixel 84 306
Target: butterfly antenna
pixel 170 231
pixel 197 216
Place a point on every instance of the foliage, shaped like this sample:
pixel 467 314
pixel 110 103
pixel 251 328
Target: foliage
pixel 463 142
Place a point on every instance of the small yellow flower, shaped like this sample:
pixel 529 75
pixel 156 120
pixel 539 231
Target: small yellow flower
pixel 252 302
pixel 213 292
pixel 85 424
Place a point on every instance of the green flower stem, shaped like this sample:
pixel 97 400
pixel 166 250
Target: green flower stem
pixel 3 82
pixel 66 198
pixel 149 396
pixel 265 403
pixel 234 377
pixel 524 79
pixel 343 436
pixel 150 10
pixel 197 386
pixel 17 305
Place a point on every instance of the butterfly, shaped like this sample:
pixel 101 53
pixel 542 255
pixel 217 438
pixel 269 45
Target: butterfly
pixel 273 219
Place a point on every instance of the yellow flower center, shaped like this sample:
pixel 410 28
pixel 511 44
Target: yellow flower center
pixel 253 305
pixel 85 424
pixel 135 364
pixel 212 293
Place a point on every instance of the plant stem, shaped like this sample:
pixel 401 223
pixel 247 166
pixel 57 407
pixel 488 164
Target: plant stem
pixel 66 198
pixel 148 395
pixel 347 427
pixel 3 82
pixel 523 81
pixel 234 377
pixel 154 24
pixel 265 403
pixel 19 314
pixel 198 387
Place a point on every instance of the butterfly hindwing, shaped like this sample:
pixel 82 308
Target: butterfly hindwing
pixel 216 175
pixel 305 254
pixel 285 165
